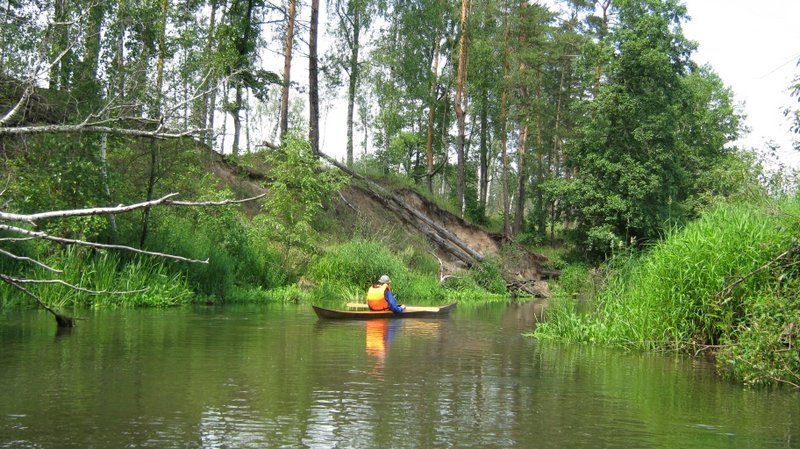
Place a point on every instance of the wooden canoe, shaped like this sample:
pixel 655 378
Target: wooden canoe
pixel 410 312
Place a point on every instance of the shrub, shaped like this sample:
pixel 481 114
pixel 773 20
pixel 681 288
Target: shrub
pixel 489 276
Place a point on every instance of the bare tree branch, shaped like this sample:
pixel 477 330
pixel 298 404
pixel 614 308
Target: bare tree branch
pixel 62 320
pixel 66 241
pixel 84 128
pixel 10 281
pixel 113 210
pixel 213 203
pixel 29 260
pixel 67 284
pixel 16 239
pixel 32 218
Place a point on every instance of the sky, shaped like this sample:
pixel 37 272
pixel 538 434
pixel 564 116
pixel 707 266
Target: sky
pixel 754 47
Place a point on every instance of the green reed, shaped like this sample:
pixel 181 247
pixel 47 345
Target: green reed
pixel 105 279
pixel 674 295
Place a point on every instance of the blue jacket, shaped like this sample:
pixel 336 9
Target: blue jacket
pixel 392 302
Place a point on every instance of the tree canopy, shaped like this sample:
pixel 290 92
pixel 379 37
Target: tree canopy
pixel 586 119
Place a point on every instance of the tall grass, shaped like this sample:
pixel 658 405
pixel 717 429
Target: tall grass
pixel 138 282
pixel 674 294
pixel 346 271
pixel 358 262
pixel 238 262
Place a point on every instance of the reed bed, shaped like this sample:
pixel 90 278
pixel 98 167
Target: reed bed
pixel 706 286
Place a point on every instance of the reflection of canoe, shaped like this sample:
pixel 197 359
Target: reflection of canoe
pixel 410 312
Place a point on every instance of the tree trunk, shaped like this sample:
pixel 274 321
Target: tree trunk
pixel 557 143
pixel 208 87
pixel 237 122
pixel 445 137
pixel 243 50
pixel 86 78
pixel 119 57
pixel 313 88
pixel 504 134
pixel 287 66
pixel 541 214
pixel 432 113
pixel 59 72
pixel 156 114
pixel 460 101
pixel 151 184
pixel 483 179
pixel 355 72
pixel 522 177
pixel 112 220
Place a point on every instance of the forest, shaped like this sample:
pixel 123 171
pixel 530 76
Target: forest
pixel 581 129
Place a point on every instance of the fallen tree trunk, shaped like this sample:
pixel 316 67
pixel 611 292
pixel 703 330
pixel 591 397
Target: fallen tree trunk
pixel 444 238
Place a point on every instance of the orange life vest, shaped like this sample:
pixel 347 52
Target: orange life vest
pixel 376 299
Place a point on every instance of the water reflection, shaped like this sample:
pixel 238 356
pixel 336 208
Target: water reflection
pixel 278 377
pixel 380 334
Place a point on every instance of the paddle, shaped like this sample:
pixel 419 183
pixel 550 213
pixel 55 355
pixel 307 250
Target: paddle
pixel 356 305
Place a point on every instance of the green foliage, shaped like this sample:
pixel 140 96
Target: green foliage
pixel 575 281
pixel 140 281
pixel 489 276
pixel 418 290
pixel 640 156
pixel 55 173
pixel 481 282
pixel 420 262
pixel 223 237
pixel 298 186
pixel 288 294
pixel 358 262
pixel 765 350
pixel 712 283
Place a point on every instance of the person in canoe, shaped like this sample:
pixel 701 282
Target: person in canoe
pixel 380 297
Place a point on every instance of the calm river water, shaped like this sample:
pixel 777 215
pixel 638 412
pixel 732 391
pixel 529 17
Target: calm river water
pixel 275 376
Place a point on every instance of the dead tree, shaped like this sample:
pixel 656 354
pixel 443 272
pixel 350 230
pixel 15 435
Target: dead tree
pixel 444 238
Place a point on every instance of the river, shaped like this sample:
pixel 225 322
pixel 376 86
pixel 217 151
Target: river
pixel 273 376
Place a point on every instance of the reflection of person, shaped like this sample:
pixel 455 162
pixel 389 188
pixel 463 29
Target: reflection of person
pixel 380 297
pixel 379 336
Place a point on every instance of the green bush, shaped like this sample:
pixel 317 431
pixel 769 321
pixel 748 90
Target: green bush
pixel 764 349
pixel 237 260
pixel 418 290
pixel 488 275
pixel 288 294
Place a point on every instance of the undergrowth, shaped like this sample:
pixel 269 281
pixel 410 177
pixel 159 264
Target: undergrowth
pixel 106 281
pixel 714 285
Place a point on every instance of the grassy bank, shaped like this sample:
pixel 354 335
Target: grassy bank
pixel 716 285
pixel 344 272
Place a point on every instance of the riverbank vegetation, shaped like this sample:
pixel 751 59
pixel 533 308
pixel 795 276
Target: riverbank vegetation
pixel 582 130
pixel 725 285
